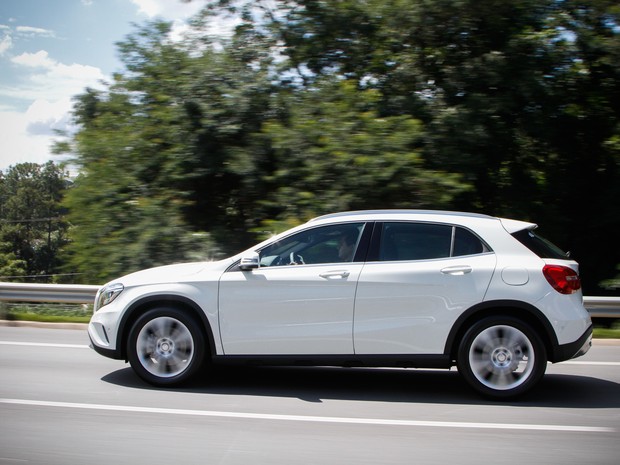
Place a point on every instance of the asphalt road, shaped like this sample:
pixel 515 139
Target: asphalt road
pixel 61 403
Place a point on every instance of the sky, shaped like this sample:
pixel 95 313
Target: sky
pixel 50 51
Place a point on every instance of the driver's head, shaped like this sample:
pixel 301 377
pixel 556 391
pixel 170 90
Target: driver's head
pixel 346 246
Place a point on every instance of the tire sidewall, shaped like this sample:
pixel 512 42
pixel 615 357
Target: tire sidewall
pixel 540 357
pixel 196 332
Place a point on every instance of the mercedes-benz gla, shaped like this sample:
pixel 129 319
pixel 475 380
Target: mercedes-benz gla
pixel 421 289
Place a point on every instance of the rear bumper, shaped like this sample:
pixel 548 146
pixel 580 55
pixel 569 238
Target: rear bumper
pixel 573 349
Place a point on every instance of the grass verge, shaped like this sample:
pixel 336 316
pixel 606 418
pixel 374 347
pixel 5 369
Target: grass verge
pixel 49 313
pixel 47 318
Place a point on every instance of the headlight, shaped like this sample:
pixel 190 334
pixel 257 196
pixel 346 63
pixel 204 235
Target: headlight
pixel 107 294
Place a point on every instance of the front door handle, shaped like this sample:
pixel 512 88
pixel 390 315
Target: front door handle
pixel 335 274
pixel 457 270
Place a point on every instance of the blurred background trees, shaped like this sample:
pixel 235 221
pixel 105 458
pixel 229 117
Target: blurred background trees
pixel 201 147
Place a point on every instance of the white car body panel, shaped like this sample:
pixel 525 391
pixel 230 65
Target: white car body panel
pixel 306 309
pixel 410 306
pixel 196 282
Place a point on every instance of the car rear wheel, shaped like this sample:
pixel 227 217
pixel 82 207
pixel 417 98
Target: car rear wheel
pixel 166 347
pixel 501 357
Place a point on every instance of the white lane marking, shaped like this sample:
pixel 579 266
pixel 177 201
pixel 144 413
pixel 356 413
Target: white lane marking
pixel 602 364
pixel 43 344
pixel 315 419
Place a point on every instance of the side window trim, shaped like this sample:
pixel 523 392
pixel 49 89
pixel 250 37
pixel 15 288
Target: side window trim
pixel 452 241
pixel 375 242
pixel 363 244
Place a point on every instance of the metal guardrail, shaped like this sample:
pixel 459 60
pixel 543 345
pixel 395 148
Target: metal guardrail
pixel 599 307
pixel 602 307
pixel 53 293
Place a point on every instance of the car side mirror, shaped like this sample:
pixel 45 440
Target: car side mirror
pixel 250 261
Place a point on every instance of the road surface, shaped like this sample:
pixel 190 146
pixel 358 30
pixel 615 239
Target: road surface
pixel 61 403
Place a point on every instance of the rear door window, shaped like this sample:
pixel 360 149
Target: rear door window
pixel 425 241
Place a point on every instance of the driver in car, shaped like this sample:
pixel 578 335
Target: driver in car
pixel 346 246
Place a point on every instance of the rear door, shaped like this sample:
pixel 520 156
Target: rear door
pixel 419 278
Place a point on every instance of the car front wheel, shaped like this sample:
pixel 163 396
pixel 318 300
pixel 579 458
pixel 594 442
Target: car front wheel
pixel 166 347
pixel 501 357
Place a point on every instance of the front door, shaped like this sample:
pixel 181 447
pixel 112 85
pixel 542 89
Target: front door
pixel 299 301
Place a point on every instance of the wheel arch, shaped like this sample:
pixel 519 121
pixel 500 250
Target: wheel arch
pixel 145 304
pixel 511 308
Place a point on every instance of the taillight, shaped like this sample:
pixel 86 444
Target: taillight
pixel 565 280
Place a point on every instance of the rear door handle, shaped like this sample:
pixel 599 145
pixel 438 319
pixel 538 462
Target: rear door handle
pixel 457 270
pixel 335 274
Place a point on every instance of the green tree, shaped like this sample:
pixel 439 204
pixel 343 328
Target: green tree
pixel 336 153
pixel 11 268
pixel 33 231
pixel 472 72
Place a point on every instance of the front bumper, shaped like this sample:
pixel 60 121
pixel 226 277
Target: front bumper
pixel 98 337
pixel 110 353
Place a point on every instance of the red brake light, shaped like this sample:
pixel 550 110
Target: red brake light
pixel 563 279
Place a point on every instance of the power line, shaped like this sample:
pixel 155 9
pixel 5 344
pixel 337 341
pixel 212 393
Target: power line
pixel 35 276
pixel 33 220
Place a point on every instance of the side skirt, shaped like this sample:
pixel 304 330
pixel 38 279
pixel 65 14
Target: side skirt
pixel 398 360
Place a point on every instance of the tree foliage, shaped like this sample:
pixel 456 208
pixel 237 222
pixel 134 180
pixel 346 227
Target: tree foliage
pixel 32 230
pixel 311 106
pixel 336 153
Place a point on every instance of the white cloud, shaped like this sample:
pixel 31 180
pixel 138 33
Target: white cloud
pixel 29 136
pixel 39 59
pixel 48 86
pixel 44 117
pixel 67 73
pixel 47 79
pixel 5 44
pixel 20 146
pixel 34 31
pixel 168 9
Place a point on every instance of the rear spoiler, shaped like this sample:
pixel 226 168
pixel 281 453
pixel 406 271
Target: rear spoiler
pixel 513 226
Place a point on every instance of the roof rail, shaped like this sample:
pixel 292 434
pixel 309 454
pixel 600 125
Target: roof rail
pixel 400 212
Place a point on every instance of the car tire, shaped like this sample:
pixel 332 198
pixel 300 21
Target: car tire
pixel 166 347
pixel 501 357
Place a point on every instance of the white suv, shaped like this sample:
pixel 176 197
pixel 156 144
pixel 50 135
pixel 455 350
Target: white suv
pixel 423 289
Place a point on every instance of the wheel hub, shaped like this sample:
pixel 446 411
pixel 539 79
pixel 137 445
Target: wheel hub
pixel 165 347
pixel 501 357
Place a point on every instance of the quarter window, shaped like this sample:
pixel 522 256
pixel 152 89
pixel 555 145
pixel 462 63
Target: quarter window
pixel 466 243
